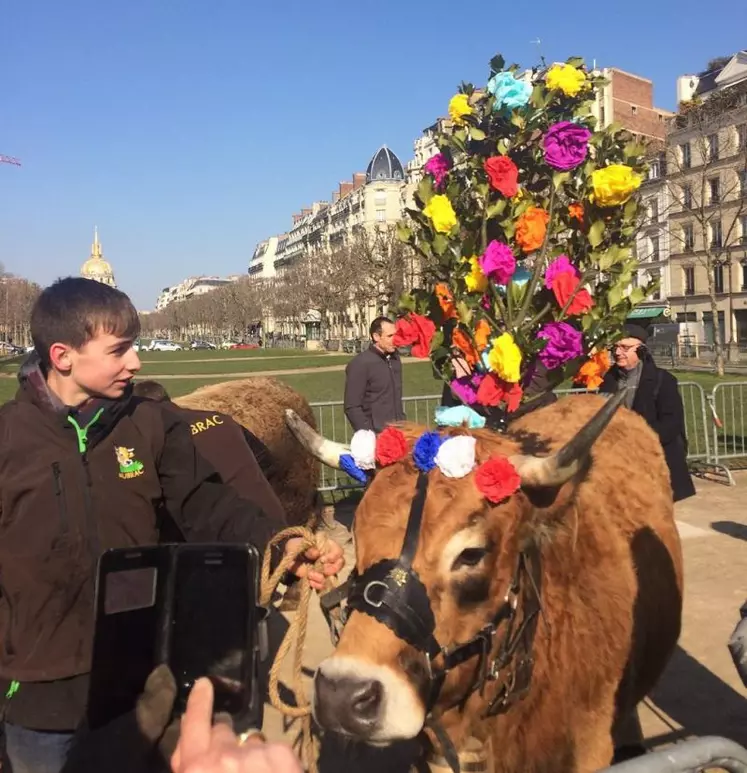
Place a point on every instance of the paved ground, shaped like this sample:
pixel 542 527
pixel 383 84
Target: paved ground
pixel 700 694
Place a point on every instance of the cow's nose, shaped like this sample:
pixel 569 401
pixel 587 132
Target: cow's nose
pixel 347 703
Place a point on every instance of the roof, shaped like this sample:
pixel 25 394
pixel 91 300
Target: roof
pixel 385 166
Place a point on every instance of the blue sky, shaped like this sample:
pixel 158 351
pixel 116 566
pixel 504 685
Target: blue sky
pixel 187 131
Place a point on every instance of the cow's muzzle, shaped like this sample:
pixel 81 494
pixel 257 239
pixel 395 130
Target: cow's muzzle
pixel 348 705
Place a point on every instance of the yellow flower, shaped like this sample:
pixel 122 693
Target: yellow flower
pixel 459 107
pixel 504 358
pixel 476 281
pixel 441 213
pixel 566 78
pixel 614 185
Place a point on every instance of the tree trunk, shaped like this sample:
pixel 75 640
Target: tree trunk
pixel 718 344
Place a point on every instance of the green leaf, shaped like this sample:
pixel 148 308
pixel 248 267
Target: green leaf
pixel 637 295
pixel 425 189
pixel 404 233
pixel 596 233
pixel 440 243
pixel 437 341
pixel 575 61
pixel 518 120
pixel 502 146
pixel 476 134
pixel 406 302
pixel 559 178
pixel 464 312
pixel 496 208
pixel 615 294
pixel 631 209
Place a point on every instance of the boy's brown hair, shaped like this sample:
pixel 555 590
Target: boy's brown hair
pixel 73 310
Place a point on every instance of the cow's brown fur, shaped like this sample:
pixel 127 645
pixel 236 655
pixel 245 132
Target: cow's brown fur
pixel 611 578
pixel 259 405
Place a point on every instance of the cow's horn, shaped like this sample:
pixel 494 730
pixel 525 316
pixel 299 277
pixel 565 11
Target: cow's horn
pixel 555 470
pixel 326 451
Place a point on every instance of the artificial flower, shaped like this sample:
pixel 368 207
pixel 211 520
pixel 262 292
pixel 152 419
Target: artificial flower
pixel 459 416
pixel 504 358
pixel 363 448
pixel 566 78
pixel 348 465
pixel 465 388
pixel 476 281
pixel 391 446
pixel 503 175
pixel 462 342
pixel 564 343
pixel 564 286
pixel 445 301
pixel 614 185
pixel 591 373
pixel 459 107
pixel 497 479
pixel 456 456
pixel 482 335
pixel 509 92
pixel 494 391
pixel 560 265
pixel 566 145
pixel 438 167
pixel 441 213
pixel 576 211
pixel 531 229
pixel 417 331
pixel 425 450
pixel 498 262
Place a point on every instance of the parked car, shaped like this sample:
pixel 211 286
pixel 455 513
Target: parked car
pixel 201 345
pixel 162 345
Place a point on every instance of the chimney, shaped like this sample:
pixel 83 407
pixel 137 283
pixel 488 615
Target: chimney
pixel 359 180
pixel 345 188
pixel 305 211
pixel 335 196
pixel 296 217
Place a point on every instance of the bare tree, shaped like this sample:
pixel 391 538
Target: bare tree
pixel 706 184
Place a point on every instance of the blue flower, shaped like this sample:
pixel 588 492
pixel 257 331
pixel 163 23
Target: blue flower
pixel 348 465
pixel 509 92
pixel 426 448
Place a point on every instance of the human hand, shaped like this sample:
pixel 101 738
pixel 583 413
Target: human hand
pixel 207 748
pixel 331 556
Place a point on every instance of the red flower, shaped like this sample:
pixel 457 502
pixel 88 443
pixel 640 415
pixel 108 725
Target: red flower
pixel 563 287
pixel 494 391
pixel 391 446
pixel 503 175
pixel 497 479
pixel 415 330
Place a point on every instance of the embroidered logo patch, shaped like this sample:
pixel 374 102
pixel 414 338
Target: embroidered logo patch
pixel 129 466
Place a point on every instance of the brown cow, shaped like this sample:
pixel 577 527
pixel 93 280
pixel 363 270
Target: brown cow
pixel 259 404
pixel 594 515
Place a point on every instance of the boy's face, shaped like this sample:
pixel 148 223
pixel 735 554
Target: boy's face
pixel 103 367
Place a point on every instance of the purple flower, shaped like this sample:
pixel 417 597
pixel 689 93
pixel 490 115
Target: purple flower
pixel 560 265
pixel 566 145
pixel 425 450
pixel 498 263
pixel 437 166
pixel 465 388
pixel 564 343
pixel 485 302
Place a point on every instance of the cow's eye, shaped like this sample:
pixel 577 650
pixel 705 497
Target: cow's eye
pixel 469 557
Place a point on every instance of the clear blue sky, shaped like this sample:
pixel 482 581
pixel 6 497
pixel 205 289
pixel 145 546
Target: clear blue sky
pixel 188 130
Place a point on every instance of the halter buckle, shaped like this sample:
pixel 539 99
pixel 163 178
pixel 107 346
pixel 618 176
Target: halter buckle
pixel 373 602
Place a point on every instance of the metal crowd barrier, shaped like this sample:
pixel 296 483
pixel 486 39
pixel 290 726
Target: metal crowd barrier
pixel 699 754
pixel 705 447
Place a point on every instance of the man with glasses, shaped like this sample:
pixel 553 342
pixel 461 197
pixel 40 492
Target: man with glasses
pixel 652 393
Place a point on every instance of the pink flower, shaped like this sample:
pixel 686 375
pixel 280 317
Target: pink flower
pixel 560 265
pixel 437 166
pixel 498 262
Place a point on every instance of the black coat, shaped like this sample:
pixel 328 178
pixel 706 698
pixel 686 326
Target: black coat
pixel 373 390
pixel 658 400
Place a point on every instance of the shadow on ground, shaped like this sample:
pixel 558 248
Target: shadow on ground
pixel 730 529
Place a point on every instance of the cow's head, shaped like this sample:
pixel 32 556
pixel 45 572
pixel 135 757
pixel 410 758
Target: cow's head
pixel 376 686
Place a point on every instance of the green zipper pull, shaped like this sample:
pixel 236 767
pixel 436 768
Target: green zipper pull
pixel 13 689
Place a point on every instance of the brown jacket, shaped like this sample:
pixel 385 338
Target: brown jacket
pixel 68 494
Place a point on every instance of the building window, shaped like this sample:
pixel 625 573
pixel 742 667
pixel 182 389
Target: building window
pixel 654 171
pixel 688 237
pixel 655 248
pixel 633 109
pixel 713 147
pixel 687 316
pixel 656 277
pixel 718 278
pixel 689 272
pixel 686 155
pixel 654 209
pixel 687 196
pixel 743 183
pixel 743 264
pixel 602 116
pixel 742 137
pixel 743 223
pixel 714 188
pixel 380 215
pixel 717 240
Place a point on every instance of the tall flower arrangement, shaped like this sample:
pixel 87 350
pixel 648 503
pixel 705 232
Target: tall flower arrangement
pixel 526 219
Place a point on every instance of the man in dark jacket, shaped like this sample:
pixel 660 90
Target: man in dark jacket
pixel 373 381
pixel 83 468
pixel 652 393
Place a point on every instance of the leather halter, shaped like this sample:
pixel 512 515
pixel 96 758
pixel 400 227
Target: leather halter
pixel 391 592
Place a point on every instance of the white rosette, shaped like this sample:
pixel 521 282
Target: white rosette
pixel 363 448
pixel 456 456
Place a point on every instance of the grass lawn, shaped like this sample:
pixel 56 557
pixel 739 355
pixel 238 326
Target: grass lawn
pixel 223 354
pixel 211 366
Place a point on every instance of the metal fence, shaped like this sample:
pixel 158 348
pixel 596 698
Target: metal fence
pixel 714 423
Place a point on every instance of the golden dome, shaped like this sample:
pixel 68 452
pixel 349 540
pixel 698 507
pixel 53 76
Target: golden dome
pixel 96 267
